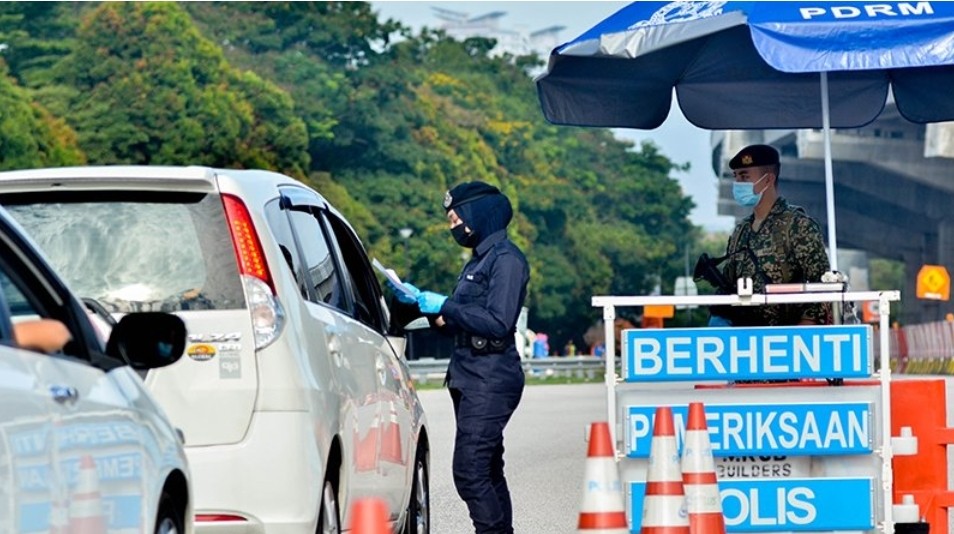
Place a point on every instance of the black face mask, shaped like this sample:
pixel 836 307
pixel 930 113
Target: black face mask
pixel 462 237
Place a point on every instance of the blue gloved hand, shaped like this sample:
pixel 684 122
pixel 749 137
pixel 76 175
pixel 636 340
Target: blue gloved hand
pixel 403 297
pixel 430 302
pixel 716 320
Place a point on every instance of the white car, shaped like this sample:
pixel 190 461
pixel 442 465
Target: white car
pixel 83 446
pixel 293 398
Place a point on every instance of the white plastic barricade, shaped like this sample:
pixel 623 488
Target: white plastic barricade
pixel 798 456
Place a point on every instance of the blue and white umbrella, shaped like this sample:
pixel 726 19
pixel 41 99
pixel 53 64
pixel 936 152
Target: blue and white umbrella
pixel 757 65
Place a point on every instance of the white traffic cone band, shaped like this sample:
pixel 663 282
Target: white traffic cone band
pixel 665 511
pixel 85 505
pixel 602 490
pixel 703 499
pixel 697 454
pixel 664 460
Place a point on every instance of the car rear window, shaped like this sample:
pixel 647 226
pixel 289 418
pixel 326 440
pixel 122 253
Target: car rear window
pixel 137 251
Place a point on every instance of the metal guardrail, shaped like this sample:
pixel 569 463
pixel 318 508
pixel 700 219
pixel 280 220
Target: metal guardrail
pixel 430 369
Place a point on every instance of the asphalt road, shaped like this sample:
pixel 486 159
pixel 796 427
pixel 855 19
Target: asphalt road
pixel 545 458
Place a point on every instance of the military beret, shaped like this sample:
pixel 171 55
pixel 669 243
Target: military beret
pixel 754 156
pixel 467 192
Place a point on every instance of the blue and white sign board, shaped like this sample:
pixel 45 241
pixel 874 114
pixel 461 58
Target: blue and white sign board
pixel 117 449
pixel 802 429
pixel 754 353
pixel 785 505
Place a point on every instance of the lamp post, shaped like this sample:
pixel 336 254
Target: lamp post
pixel 405 235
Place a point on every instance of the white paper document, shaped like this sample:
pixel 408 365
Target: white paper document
pixel 393 277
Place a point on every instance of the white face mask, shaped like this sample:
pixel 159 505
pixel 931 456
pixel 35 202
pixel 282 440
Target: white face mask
pixel 744 192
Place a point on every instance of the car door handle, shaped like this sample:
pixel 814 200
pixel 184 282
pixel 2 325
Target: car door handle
pixel 64 394
pixel 334 347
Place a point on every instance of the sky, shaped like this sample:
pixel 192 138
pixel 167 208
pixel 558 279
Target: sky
pixel 677 139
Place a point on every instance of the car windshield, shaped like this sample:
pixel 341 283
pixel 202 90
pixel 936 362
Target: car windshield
pixel 138 251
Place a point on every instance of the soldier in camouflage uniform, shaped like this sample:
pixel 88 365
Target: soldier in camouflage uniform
pixel 778 243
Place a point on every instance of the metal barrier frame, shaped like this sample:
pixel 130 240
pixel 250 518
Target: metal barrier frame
pixel 746 297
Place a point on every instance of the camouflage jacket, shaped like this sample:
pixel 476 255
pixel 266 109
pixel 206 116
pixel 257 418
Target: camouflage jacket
pixel 787 247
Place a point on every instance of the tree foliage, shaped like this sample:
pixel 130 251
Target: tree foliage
pixel 143 86
pixel 379 119
pixel 29 135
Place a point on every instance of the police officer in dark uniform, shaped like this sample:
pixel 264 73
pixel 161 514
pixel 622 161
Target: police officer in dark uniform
pixel 485 376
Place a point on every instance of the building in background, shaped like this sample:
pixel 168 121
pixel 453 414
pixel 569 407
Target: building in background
pixel 517 42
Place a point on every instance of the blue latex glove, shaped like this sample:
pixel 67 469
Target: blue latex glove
pixel 716 320
pixel 430 302
pixel 403 297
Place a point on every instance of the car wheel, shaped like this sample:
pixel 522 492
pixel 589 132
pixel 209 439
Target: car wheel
pixel 418 517
pixel 169 520
pixel 328 517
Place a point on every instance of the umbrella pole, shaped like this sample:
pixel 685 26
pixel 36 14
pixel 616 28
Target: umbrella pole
pixel 829 180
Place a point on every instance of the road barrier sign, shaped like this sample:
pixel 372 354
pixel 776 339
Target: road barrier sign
pixel 813 429
pixel 870 312
pixel 787 505
pixel 798 456
pixel 687 354
pixel 934 283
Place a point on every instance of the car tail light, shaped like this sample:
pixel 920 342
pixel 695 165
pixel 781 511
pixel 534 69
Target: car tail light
pixel 268 317
pixel 248 249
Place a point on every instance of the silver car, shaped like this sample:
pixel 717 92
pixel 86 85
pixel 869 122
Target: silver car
pixel 83 446
pixel 293 399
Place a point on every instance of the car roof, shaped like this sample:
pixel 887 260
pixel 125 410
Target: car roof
pixel 106 176
pixel 148 177
pixel 134 176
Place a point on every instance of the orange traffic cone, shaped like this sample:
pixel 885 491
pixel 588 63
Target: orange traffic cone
pixel 86 507
pixel 366 449
pixel 391 438
pixel 664 507
pixel 370 516
pixel 699 477
pixel 602 510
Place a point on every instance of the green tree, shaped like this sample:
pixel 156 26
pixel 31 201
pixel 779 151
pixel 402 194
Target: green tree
pixel 36 35
pixel 888 275
pixel 144 86
pixel 29 135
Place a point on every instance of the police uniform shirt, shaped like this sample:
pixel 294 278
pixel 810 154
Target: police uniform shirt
pixel 490 291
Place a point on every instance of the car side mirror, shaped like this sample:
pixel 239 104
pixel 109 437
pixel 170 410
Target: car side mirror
pixel 147 340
